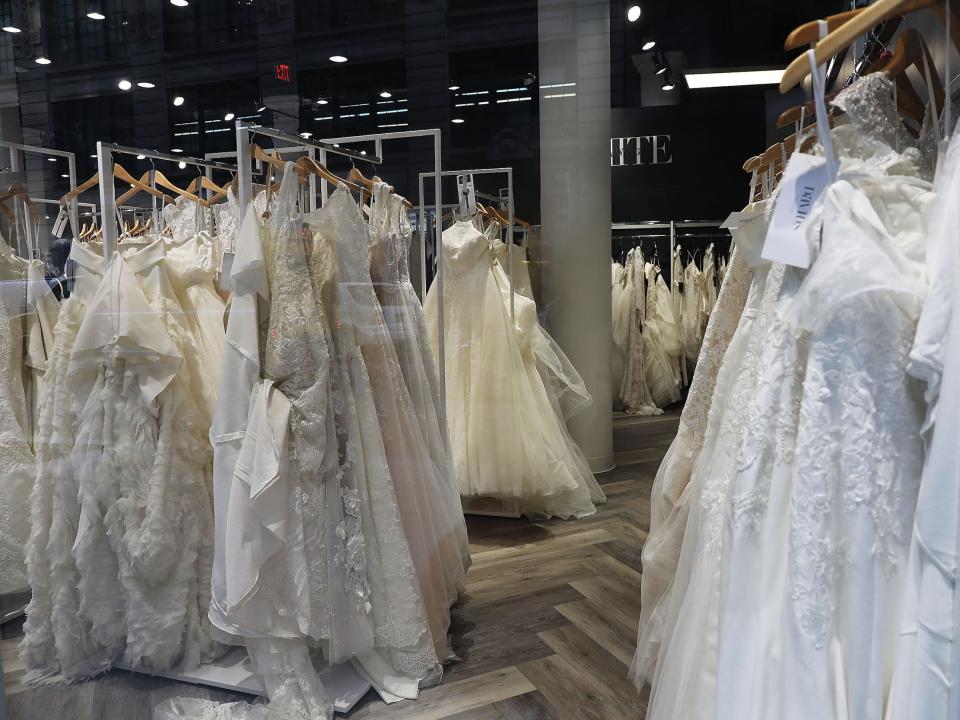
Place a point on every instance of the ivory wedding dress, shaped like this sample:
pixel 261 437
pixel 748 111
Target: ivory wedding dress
pixel 669 498
pixel 621 329
pixel 661 342
pixel 634 390
pixel 508 388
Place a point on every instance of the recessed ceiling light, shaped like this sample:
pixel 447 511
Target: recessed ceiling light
pixel 178 101
pixel 649 45
pixel 633 13
pixel 182 165
pixel 51 159
pixel 146 85
pixel 141 157
pixel 94 155
pixel 229 116
pixel 94 15
pixel 124 84
pixel 64 175
pixel 321 101
pixel 306 134
pixel 699 80
pixel 43 60
pixel 453 88
pixel 458 121
pixel 176 150
pixel 11 29
pixel 363 152
pixel 180 3
pixel 386 94
pixel 338 59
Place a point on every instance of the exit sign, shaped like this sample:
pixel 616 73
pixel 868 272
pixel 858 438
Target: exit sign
pixel 284 73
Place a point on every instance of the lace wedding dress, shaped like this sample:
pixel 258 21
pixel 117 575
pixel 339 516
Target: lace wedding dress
pixel 621 328
pixel 508 388
pixel 788 582
pixel 669 498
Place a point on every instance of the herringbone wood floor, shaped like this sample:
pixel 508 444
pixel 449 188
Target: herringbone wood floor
pixel 545 631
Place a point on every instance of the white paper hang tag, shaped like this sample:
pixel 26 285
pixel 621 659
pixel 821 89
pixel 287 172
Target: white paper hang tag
pixel 468 195
pixel 60 224
pixel 739 219
pixel 803 182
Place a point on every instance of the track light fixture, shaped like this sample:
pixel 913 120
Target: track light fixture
pixel 633 13
pixel 668 83
pixel 649 45
pixel 659 62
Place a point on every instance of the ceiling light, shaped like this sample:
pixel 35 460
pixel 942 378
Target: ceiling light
pixel 182 165
pixel 124 84
pixel 178 101
pixel 94 15
pixel 51 159
pixel 228 117
pixel 65 175
pixel 176 150
pixel 43 60
pixel 363 152
pixel 633 13
pixel 146 85
pixel 180 3
pixel 94 155
pixel 261 106
pixel 11 29
pixel 306 134
pixel 698 80
pixel 321 101
pixel 668 83
pixel 453 88
pixel 659 62
pixel 458 121
pixel 141 157
pixel 385 94
pixel 649 45
pixel 338 59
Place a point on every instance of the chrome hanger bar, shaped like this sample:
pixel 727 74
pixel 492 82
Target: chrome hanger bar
pixel 171 157
pixel 306 142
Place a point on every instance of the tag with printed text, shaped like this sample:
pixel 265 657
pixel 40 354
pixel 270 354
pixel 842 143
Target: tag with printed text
pixel 803 182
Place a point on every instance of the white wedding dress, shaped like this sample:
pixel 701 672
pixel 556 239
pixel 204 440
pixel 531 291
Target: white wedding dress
pixel 634 391
pixel 669 497
pixel 509 388
pixel 661 342
pixel 621 329
pixel 789 580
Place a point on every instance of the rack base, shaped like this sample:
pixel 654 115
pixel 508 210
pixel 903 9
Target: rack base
pixel 232 672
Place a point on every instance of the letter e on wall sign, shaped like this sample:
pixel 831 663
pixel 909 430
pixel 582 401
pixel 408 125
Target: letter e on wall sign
pixel 283 72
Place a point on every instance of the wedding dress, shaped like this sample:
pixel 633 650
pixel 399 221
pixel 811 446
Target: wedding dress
pixel 430 503
pixel 621 325
pixel 28 312
pixel 661 342
pixel 57 638
pixel 634 390
pixel 926 679
pixel 508 386
pixel 669 498
pixel 692 313
pixel 787 585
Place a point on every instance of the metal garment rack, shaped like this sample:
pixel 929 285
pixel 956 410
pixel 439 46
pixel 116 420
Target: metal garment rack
pixel 15 166
pixel 484 506
pixel 91 208
pixel 335 146
pixel 672 227
pixel 108 201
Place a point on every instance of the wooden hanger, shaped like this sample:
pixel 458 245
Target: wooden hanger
pixel 809 33
pixel 159 179
pixel 309 166
pixel 849 31
pixel 358 177
pixel 16 190
pixel 202 182
pixel 119 173
pixel 912 51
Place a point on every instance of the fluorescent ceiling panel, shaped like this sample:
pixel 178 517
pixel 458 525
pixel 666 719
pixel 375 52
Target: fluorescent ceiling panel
pixel 699 80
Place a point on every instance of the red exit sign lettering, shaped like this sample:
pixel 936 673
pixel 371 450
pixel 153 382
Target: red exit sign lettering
pixel 284 73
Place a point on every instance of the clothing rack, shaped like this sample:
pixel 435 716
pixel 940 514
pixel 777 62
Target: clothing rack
pixel 498 508
pixel 672 226
pixel 17 167
pixel 108 201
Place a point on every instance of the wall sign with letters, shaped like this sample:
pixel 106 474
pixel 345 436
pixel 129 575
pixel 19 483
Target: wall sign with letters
pixel 641 150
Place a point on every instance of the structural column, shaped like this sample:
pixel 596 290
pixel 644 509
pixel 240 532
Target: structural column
pixel 574 44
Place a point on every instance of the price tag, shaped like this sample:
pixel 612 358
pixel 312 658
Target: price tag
pixel 468 195
pixel 739 219
pixel 60 224
pixel 803 182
